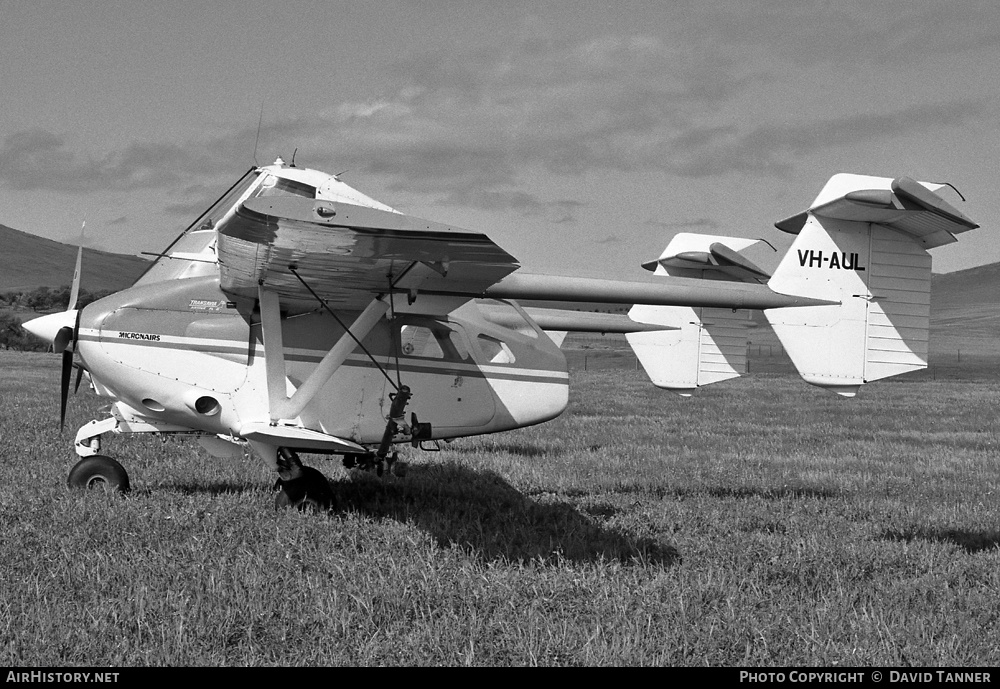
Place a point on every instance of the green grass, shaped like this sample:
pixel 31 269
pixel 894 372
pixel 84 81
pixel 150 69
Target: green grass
pixel 762 523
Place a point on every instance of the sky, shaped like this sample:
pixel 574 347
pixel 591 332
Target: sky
pixel 580 136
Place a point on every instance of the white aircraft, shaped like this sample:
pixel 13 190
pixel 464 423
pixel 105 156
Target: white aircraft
pixel 297 314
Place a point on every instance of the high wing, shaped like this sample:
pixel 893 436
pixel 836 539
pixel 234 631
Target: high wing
pixel 347 253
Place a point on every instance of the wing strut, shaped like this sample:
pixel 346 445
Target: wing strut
pixel 281 406
pixel 337 318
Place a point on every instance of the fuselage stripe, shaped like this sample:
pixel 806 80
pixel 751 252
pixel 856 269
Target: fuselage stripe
pixel 406 364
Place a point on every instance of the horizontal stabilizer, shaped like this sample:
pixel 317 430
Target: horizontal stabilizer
pixel 901 204
pixel 708 257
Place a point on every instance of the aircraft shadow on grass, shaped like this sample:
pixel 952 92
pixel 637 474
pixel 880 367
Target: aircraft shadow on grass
pixel 969 541
pixel 479 511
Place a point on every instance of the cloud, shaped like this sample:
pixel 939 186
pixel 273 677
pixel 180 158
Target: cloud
pixel 471 126
pixel 697 224
pixel 474 125
pixel 489 199
pixel 37 159
pixel 474 121
pixel 469 121
pixel 804 33
pixel 771 148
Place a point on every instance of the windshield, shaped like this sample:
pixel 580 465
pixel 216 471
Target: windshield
pixel 277 186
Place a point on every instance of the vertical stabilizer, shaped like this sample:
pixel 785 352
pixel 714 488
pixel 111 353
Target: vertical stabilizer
pixel 709 346
pixel 867 250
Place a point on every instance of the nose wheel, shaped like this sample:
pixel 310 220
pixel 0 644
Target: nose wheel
pixel 97 472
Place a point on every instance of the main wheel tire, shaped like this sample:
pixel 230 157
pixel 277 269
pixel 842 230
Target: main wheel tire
pixel 99 471
pixel 311 492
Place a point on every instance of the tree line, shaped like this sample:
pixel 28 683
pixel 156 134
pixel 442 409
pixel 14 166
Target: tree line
pixel 40 300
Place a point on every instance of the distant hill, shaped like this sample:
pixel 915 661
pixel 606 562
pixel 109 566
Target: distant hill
pixel 28 261
pixel 965 315
pixel 955 290
pixel 965 310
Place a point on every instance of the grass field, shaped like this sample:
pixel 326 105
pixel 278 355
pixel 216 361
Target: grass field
pixel 761 523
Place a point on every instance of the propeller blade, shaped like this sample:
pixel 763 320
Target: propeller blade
pixel 67 370
pixel 75 289
pixel 79 376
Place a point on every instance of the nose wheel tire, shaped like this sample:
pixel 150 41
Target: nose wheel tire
pixel 99 472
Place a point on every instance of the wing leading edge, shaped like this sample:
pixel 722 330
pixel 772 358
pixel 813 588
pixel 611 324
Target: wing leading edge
pixel 347 253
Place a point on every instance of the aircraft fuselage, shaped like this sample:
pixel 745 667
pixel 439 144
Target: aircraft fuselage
pixel 184 354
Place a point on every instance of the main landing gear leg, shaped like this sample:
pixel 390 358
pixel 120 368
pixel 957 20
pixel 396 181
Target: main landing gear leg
pixel 382 457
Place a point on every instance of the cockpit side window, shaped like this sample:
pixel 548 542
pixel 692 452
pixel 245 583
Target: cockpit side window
pixel 507 315
pixel 416 340
pixel 435 340
pixel 496 351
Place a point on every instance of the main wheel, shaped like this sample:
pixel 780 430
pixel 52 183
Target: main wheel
pixel 310 492
pixel 99 471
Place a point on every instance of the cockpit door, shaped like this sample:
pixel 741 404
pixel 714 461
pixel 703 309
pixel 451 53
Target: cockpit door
pixel 435 361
